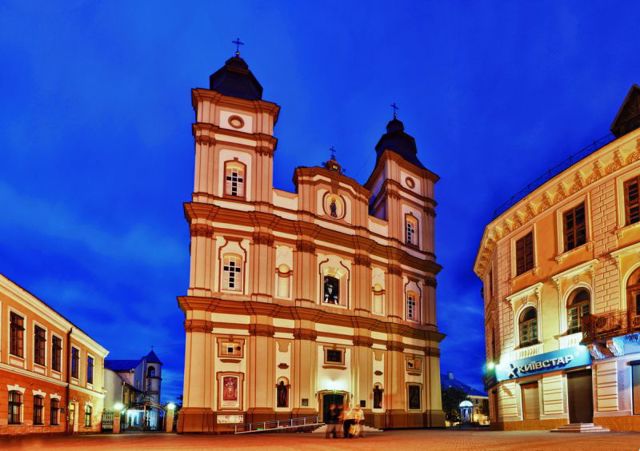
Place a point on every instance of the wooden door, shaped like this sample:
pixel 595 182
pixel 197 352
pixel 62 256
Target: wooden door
pixel 530 401
pixel 580 397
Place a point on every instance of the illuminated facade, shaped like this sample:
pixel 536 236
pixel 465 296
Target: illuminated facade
pixel 296 300
pixel 51 372
pixel 561 273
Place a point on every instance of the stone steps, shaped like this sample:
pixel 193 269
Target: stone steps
pixel 580 427
pixel 367 429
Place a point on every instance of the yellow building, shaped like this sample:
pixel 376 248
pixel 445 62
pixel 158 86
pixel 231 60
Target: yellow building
pixel 301 299
pixel 561 274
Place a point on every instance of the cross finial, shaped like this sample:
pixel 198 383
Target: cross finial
pixel 238 43
pixel 395 109
pixel 333 152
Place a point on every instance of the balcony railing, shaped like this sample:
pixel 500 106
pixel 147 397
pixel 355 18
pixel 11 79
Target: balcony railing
pixel 610 324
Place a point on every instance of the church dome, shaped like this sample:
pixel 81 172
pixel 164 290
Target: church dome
pixel 398 141
pixel 234 79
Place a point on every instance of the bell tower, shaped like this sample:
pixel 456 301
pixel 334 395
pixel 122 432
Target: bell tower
pixel 234 147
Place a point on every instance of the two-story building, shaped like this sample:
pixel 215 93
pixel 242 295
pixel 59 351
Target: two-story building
pixel 50 370
pixel 298 300
pixel 561 274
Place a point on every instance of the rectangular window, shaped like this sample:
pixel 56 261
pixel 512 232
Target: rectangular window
pixel 56 353
pixel 524 254
pixel 411 307
pixel 15 407
pixel 575 227
pixel 75 362
pixel 16 342
pixel 87 416
pixel 632 200
pixel 38 408
pixel 40 345
pixel 55 412
pixel 414 397
pixel 89 370
pixel 334 356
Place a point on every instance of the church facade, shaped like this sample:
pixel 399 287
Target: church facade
pixel 301 299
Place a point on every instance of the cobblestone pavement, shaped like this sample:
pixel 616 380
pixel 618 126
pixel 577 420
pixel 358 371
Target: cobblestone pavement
pixel 387 441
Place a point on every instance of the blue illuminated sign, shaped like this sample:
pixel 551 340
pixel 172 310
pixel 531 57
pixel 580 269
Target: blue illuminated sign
pixel 628 344
pixel 562 359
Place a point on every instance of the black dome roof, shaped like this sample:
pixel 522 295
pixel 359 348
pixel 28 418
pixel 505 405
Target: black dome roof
pixel 400 142
pixel 234 79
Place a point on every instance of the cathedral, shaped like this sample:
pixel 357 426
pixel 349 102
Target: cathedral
pixel 301 299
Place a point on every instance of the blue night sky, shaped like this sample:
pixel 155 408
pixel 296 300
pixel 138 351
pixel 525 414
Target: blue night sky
pixel 97 153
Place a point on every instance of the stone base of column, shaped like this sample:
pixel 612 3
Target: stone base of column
pixel 196 420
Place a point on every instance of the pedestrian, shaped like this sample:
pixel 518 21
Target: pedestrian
pixel 359 421
pixel 347 420
pixel 333 418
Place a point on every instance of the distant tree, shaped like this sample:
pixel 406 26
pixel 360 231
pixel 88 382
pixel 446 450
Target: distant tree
pixel 451 399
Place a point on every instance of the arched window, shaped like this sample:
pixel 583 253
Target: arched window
pixel 633 296
pixel 15 407
pixel 528 326
pixel 55 411
pixel 38 408
pixel 151 372
pixel 578 306
pixel 378 299
pixel 282 394
pixel 234 178
pixel 412 306
pixel 331 290
pixel 411 229
pixel 232 272
pixel 87 416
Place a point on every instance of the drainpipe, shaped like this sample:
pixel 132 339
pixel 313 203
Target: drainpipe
pixel 68 391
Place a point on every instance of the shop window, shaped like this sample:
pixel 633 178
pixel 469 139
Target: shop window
pixel 15 407
pixel 38 408
pixel 234 178
pixel 232 273
pixel 56 353
pixel 415 401
pixel 575 227
pixel 377 397
pixel 331 290
pixel 577 307
pixel 524 254
pixel 88 410
pixel 16 338
pixel 528 326
pixel 55 412
pixel 411 229
pixel 75 362
pixel 632 200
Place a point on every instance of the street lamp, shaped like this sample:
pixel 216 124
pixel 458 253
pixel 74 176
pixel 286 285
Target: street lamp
pixel 118 407
pixel 171 406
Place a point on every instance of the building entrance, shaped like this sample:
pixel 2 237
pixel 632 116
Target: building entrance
pixel 328 399
pixel 580 397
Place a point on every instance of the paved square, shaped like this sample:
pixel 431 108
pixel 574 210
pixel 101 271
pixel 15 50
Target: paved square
pixel 387 441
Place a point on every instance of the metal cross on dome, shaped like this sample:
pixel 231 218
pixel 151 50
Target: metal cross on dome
pixel 395 109
pixel 333 152
pixel 238 43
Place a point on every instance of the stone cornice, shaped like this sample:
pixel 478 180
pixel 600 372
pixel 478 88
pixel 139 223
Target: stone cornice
pixel 315 314
pixel 604 162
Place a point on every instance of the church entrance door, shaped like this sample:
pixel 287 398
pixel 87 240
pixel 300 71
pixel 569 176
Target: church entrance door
pixel 328 399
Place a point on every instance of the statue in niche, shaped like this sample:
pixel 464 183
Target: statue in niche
pixel 331 291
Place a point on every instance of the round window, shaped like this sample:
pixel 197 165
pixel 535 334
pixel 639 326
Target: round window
pixel 236 122
pixel 410 182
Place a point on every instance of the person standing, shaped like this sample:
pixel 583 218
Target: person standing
pixel 358 417
pixel 333 418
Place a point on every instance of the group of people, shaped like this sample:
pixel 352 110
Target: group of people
pixel 351 420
